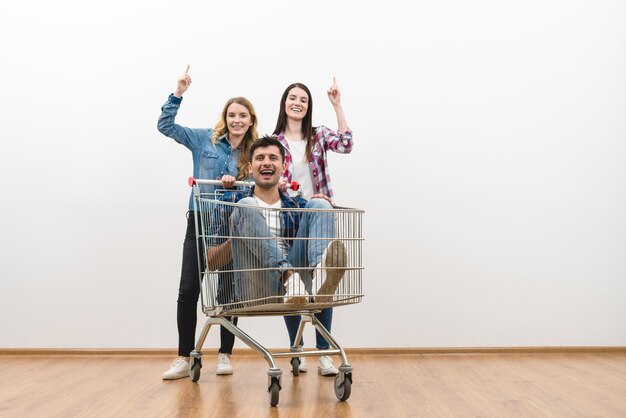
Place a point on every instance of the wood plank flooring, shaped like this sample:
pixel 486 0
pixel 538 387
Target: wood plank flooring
pixel 397 385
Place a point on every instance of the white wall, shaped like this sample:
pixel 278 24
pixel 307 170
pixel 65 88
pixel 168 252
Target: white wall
pixel 490 158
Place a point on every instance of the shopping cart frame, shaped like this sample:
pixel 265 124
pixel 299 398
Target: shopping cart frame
pixel 218 314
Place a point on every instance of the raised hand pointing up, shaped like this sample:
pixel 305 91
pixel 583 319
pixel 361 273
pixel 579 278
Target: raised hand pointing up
pixel 334 94
pixel 183 83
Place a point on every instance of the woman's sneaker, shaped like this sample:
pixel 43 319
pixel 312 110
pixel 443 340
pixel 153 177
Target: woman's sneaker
pixel 223 364
pixel 178 369
pixel 302 366
pixel 325 366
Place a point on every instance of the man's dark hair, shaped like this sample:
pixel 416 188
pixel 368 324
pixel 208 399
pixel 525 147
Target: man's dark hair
pixel 267 141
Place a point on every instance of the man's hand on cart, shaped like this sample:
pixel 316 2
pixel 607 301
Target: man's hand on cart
pixel 219 255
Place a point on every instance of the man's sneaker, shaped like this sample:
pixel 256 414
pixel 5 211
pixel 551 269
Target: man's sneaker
pixel 325 279
pixel 223 364
pixel 178 369
pixel 325 366
pixel 295 291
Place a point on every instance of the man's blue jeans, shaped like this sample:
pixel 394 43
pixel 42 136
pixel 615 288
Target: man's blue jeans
pixel 255 254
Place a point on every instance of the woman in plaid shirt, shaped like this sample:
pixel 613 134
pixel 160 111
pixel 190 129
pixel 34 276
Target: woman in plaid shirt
pixel 305 157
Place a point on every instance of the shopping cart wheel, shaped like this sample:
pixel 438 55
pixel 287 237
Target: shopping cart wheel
pixel 295 366
pixel 343 386
pixel 273 391
pixel 194 372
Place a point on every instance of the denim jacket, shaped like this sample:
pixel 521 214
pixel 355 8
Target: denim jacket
pixel 210 160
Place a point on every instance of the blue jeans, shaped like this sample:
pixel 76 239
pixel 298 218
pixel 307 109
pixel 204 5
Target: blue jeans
pixel 325 317
pixel 255 254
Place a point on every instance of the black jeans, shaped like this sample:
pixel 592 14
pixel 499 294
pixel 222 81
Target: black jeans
pixel 188 294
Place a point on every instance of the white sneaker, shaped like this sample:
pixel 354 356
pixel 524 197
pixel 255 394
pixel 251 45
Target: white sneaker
pixel 325 366
pixel 325 281
pixel 178 369
pixel 295 291
pixel 223 364
pixel 302 367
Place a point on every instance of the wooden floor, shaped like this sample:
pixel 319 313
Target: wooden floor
pixel 399 385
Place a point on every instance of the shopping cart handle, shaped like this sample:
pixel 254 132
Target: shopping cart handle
pixel 192 181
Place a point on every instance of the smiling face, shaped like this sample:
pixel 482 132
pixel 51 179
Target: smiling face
pixel 238 120
pixel 296 103
pixel 267 166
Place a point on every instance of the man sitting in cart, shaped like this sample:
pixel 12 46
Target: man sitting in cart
pixel 276 254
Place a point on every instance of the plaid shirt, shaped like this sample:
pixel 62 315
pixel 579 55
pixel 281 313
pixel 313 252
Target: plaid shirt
pixel 324 140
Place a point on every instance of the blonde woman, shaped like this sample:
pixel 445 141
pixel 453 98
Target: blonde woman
pixel 219 153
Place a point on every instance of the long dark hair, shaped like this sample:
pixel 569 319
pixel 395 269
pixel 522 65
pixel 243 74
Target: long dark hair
pixel 307 121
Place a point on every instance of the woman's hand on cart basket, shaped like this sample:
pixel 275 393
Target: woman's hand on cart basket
pixel 228 181
pixel 283 185
pixel 323 196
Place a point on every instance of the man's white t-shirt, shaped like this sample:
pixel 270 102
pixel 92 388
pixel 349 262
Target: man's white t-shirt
pixel 272 218
pixel 300 169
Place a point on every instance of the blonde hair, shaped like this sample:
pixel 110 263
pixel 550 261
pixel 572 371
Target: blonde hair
pixel 249 138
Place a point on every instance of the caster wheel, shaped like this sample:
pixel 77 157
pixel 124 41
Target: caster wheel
pixel 194 372
pixel 295 366
pixel 273 391
pixel 343 389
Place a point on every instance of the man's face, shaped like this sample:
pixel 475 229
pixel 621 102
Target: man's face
pixel 267 166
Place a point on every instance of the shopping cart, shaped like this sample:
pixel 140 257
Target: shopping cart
pixel 246 281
